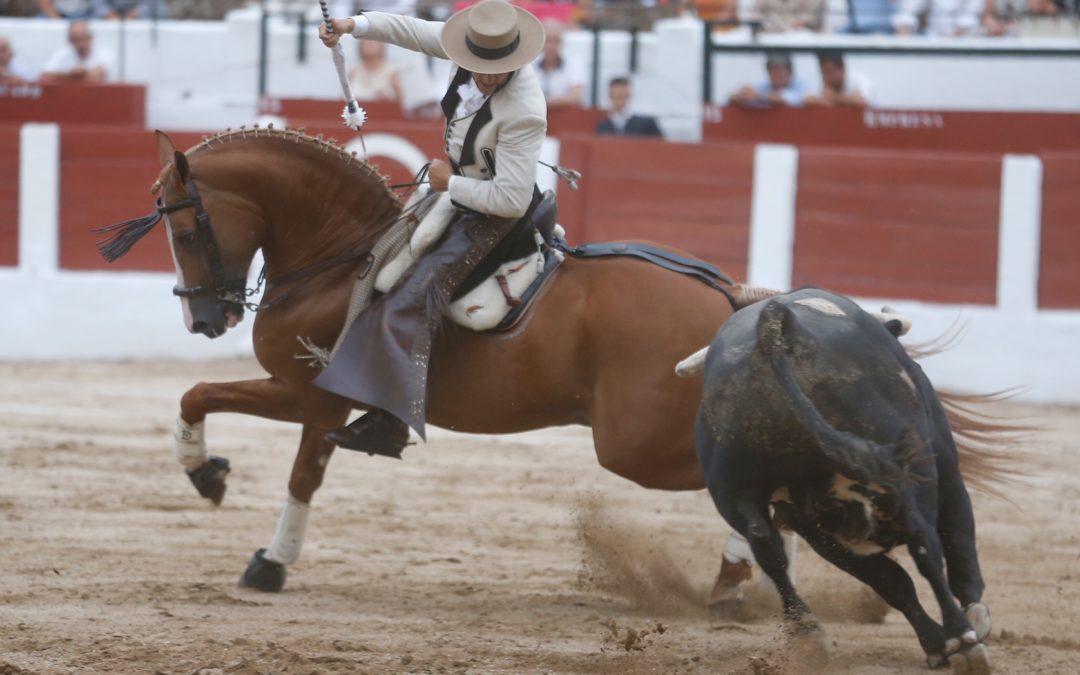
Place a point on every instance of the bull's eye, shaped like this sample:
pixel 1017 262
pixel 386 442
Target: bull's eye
pixel 186 239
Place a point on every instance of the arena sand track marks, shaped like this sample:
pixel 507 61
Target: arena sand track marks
pixel 475 554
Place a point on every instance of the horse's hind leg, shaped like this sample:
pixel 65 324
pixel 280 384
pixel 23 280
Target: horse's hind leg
pixel 266 570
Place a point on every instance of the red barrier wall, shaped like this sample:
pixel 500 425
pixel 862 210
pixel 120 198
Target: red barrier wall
pixel 118 104
pixel 999 132
pixel 309 112
pixel 691 196
pixel 9 195
pixel 1059 272
pixel 105 177
pixel 898 225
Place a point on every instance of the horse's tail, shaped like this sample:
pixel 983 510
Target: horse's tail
pixel 860 458
pixel 744 296
pixel 985 444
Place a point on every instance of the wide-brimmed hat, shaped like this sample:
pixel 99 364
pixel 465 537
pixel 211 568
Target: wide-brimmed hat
pixel 492 37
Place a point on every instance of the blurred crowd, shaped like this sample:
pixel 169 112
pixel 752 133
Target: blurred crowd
pixel 900 17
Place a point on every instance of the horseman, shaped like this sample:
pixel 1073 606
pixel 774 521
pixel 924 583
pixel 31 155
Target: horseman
pixel 496 121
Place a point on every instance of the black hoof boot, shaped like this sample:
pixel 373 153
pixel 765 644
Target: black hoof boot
pixel 209 479
pixel 263 575
pixel 376 433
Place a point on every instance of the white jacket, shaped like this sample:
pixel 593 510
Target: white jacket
pixel 509 142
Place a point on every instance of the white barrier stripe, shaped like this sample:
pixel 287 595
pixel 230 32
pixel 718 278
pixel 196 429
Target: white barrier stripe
pixel 1018 236
pixel 772 216
pixel 39 199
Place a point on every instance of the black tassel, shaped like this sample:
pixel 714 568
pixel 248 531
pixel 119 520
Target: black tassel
pixel 125 235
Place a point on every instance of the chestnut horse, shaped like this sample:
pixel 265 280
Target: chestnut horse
pixel 598 348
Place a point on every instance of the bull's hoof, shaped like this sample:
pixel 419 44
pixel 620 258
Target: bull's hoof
pixel 263 575
pixel 209 479
pixel 978 615
pixel 971 660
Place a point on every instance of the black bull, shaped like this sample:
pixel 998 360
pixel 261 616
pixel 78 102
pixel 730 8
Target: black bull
pixel 811 406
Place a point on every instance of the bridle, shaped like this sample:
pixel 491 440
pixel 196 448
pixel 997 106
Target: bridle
pixel 231 290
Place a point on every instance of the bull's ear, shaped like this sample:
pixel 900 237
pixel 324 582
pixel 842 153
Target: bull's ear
pixel 165 148
pixel 182 168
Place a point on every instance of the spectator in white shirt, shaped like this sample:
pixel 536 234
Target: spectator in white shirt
pixel 838 86
pixel 79 60
pixel 943 18
pixel 9 74
pixel 562 79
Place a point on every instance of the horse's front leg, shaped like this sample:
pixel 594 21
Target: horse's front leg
pixel 270 398
pixel 266 570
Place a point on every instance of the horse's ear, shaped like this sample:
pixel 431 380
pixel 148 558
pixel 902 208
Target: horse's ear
pixel 165 148
pixel 182 168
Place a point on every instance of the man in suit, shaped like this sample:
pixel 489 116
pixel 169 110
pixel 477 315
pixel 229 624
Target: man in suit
pixel 621 121
pixel 496 121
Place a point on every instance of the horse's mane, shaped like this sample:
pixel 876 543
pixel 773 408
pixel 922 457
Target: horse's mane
pixel 123 236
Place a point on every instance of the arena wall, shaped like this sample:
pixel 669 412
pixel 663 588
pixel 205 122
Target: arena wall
pixel 984 242
pixel 205 74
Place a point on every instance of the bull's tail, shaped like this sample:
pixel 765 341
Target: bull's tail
pixel 859 458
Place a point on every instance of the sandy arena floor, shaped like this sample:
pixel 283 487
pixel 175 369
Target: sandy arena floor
pixel 475 554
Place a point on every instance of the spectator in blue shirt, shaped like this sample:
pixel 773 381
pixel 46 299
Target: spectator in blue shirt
pixel 781 89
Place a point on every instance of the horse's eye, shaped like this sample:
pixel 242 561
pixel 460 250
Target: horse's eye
pixel 186 239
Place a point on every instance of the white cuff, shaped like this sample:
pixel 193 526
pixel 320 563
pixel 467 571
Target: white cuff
pixel 450 183
pixel 361 26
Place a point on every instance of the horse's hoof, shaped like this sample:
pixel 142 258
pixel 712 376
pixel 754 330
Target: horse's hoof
pixel 978 615
pixel 934 661
pixel 974 660
pixel 209 479
pixel 263 575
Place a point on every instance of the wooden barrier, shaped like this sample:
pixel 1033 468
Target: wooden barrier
pixel 1059 273
pixel 1000 132
pixel 116 104
pixel 690 196
pixel 105 177
pixel 9 196
pixel 888 224
pixel 325 113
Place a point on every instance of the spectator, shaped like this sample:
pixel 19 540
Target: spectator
pixel 373 78
pixel 9 74
pixel 72 9
pixel 621 121
pixel 838 86
pixel 1000 16
pixel 562 79
pixel 781 89
pixel 942 18
pixel 78 61
pixel 781 16
pixel 870 17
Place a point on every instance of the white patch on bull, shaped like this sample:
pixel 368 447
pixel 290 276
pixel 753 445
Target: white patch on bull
pixel 692 364
pixel 781 494
pixel 842 489
pixel 185 305
pixel 822 305
pixel 907 380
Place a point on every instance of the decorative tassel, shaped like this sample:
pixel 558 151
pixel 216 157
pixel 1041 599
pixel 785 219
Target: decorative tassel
pixel 354 116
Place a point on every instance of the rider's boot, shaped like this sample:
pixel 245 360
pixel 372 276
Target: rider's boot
pixel 376 433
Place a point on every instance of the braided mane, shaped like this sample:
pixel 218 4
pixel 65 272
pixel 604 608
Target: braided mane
pixel 123 236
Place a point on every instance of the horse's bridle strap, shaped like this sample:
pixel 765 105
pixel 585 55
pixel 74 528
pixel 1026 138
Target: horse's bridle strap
pixel 225 289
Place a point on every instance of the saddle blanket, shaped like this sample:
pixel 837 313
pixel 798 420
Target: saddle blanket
pixel 485 306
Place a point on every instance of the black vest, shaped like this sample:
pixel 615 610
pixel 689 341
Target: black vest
pixel 482 117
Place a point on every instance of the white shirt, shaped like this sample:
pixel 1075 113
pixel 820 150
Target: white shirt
pixel 858 83
pixel 65 59
pixel 560 81
pixel 943 17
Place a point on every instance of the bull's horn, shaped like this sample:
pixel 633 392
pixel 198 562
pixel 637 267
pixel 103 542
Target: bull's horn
pixel 692 364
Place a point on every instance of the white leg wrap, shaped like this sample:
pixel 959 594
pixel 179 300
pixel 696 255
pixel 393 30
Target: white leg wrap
pixel 737 549
pixel 189 444
pixel 791 541
pixel 289 537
